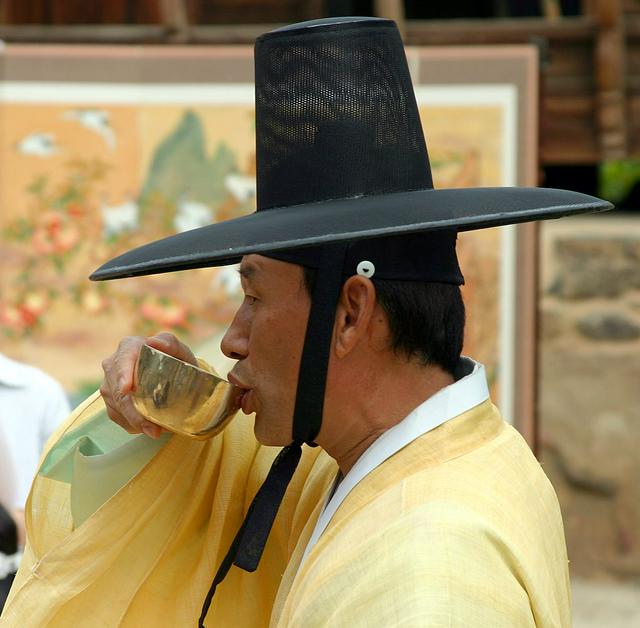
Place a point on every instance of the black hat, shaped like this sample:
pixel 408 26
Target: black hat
pixel 344 185
pixel 340 155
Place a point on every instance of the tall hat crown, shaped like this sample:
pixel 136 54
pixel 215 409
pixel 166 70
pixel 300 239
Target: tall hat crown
pixel 336 114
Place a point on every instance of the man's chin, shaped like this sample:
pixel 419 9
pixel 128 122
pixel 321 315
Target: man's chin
pixel 269 439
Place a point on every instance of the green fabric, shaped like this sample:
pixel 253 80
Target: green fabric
pixel 97 459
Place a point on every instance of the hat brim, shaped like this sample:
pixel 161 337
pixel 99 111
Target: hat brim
pixel 291 227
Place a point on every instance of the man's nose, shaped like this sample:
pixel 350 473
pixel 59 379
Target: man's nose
pixel 234 343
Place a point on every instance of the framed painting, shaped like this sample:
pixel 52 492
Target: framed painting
pixel 105 148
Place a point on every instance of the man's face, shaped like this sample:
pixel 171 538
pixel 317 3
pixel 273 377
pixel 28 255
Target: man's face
pixel 266 337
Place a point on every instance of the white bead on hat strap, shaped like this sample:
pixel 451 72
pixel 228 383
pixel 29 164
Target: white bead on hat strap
pixel 366 268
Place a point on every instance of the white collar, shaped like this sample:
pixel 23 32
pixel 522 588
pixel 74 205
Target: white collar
pixel 469 390
pixel 12 373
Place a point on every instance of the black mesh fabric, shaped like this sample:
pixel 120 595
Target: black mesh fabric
pixel 336 115
pixel 429 256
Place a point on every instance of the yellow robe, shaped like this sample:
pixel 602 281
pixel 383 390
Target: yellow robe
pixel 459 528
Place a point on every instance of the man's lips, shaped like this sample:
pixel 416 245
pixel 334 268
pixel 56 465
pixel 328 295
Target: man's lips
pixel 246 401
pixel 247 393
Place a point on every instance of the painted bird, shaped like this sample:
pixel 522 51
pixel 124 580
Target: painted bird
pixel 96 120
pixel 38 144
pixel 228 279
pixel 191 214
pixel 117 219
pixel 240 186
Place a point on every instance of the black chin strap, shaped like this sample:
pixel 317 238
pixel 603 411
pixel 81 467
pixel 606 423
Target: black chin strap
pixel 312 376
pixel 248 545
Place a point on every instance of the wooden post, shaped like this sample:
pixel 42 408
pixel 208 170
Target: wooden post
pixel 551 9
pixel 176 17
pixel 526 377
pixel 610 78
pixel 394 10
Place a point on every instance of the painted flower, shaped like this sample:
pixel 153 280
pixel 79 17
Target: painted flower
pixel 75 210
pixel 165 314
pixel 35 303
pixel 93 302
pixel 18 317
pixel 29 318
pixel 11 317
pixel 54 234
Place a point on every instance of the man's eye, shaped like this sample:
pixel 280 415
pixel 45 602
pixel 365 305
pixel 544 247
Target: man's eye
pixel 249 299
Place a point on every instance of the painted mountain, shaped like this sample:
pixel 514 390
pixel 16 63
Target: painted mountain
pixel 181 166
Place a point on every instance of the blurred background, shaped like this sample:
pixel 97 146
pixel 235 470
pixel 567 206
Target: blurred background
pixel 93 165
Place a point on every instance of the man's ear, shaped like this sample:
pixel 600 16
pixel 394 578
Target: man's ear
pixel 354 314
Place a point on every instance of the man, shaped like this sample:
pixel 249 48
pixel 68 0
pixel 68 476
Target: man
pixel 420 506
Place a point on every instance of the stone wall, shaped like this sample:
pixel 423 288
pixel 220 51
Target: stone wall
pixel 590 388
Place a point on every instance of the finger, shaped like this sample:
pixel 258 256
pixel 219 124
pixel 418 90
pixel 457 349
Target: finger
pixel 118 382
pixel 118 418
pixel 124 363
pixel 120 407
pixel 151 429
pixel 118 368
pixel 168 343
pixel 129 419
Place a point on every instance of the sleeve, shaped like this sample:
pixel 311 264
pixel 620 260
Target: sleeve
pixel 154 545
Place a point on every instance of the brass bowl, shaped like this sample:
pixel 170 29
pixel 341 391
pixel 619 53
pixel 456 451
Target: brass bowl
pixel 180 397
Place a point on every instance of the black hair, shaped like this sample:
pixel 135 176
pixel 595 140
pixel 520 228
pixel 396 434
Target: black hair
pixel 8 533
pixel 426 319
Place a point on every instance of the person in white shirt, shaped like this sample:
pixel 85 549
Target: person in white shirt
pixel 10 520
pixel 32 405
